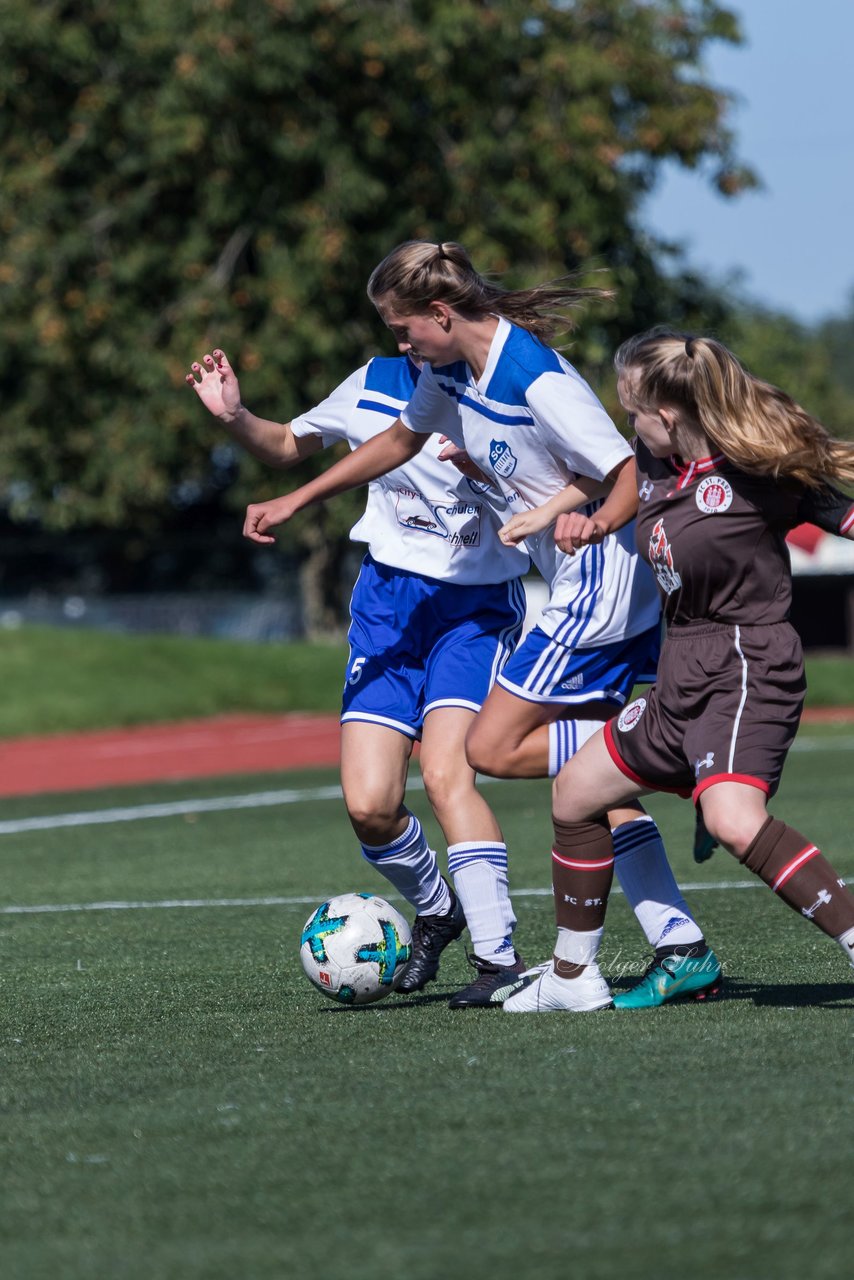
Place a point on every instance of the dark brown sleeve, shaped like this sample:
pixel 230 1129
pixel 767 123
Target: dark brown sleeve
pixel 828 507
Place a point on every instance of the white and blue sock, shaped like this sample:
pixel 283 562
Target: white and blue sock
pixel 565 738
pixel 479 871
pixel 413 868
pixel 645 877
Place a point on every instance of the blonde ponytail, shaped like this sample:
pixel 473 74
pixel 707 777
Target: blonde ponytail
pixel 420 272
pixel 756 425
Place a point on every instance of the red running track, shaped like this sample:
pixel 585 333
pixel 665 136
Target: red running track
pixel 193 749
pixel 165 752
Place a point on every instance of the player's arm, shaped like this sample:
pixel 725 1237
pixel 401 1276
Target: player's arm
pixel 830 509
pixel 215 383
pixel 391 448
pixel 576 530
pixel 526 523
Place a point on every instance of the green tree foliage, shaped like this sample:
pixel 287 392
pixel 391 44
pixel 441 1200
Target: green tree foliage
pixel 801 361
pixel 180 173
pixel 837 334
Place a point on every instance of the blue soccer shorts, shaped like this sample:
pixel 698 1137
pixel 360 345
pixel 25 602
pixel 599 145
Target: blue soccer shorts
pixel 541 670
pixel 417 644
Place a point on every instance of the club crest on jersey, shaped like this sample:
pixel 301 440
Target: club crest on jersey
pixel 714 494
pixel 661 560
pixel 630 715
pixel 502 458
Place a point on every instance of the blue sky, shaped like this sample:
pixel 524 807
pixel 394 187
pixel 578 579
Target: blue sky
pixel 792 243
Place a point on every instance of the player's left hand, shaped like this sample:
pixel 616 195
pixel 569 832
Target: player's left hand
pixel 461 460
pixel 261 516
pixel 523 525
pixel 575 531
pixel 215 383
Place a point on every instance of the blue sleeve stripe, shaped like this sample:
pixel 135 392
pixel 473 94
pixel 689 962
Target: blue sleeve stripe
pixel 378 407
pixel 510 420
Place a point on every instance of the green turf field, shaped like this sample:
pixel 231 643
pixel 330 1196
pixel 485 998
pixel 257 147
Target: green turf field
pixel 179 1102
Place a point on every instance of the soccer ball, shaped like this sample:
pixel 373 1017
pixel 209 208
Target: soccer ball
pixel 355 948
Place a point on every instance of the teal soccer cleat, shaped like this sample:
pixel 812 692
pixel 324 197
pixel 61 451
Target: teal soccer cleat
pixel 673 978
pixel 704 844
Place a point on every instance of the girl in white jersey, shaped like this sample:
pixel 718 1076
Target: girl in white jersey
pixel 529 422
pixel 437 609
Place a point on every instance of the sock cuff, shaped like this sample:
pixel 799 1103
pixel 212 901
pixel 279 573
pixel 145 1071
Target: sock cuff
pixel 577 946
pixel 410 837
pixel 583 841
pixel 562 744
pixel 473 852
pixel 469 846
pixel 633 835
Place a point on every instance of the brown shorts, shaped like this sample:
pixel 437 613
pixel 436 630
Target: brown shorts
pixel 725 708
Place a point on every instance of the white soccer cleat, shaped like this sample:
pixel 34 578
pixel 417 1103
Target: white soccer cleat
pixel 550 994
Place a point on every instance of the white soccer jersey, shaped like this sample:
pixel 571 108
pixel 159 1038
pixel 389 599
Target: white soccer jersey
pixel 534 424
pixel 425 516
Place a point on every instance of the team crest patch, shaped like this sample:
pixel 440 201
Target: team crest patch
pixel 714 494
pixel 630 715
pixel 502 458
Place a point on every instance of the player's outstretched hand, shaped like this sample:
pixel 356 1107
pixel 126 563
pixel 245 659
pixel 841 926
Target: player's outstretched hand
pixel 460 459
pixel 215 383
pixel 574 532
pixel 523 525
pixel 263 516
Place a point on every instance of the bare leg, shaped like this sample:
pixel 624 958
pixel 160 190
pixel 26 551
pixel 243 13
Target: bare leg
pixel 449 779
pixel 509 737
pixel 374 762
pixel 374 766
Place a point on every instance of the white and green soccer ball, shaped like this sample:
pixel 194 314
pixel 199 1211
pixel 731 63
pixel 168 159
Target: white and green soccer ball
pixel 355 948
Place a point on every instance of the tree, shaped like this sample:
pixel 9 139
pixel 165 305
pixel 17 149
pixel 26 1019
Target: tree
pixel 178 173
pixel 837 335
pixel 801 361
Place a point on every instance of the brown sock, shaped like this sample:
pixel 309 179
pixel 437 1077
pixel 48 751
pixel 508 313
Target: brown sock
pixel 800 874
pixel 582 871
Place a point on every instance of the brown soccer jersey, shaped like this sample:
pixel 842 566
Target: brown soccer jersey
pixel 715 537
pixel 730 682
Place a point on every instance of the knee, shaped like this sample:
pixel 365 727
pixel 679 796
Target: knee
pixel 735 831
pixel 374 817
pixel 486 756
pixel 444 779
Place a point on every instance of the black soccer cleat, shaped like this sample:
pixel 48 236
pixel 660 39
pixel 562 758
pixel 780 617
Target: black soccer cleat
pixel 430 936
pixel 493 984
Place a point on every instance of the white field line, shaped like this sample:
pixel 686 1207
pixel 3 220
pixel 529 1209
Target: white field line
pixel 264 799
pixel 166 904
pixel 175 808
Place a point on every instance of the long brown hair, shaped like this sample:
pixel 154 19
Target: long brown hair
pixel 755 424
pixel 419 272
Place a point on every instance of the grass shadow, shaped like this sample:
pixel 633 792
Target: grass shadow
pixel 793 995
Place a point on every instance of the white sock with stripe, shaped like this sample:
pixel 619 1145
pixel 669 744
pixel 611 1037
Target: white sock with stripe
pixel 846 942
pixel 413 868
pixel 645 877
pixel 577 946
pixel 565 738
pixel 479 871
